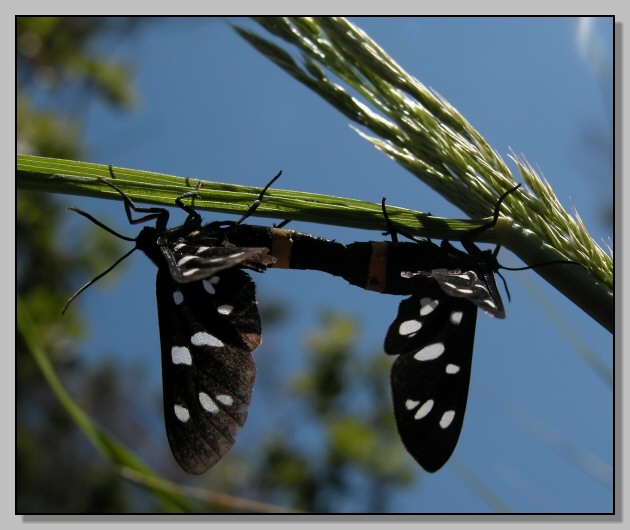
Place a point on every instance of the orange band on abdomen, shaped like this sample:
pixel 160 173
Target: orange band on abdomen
pixel 281 247
pixel 377 270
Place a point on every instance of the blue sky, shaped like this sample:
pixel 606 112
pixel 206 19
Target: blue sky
pixel 212 107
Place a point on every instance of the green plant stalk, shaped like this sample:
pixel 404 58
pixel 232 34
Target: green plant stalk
pixel 204 495
pixel 592 296
pixel 104 443
pixel 422 132
pixel 82 178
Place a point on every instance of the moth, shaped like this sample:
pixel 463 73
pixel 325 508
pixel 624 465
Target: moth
pixel 209 326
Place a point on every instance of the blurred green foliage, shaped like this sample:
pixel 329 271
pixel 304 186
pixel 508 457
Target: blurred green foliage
pixel 353 457
pixel 54 60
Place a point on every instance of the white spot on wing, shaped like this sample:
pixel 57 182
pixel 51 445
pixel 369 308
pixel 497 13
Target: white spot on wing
pixel 424 409
pixel 447 418
pixel 181 413
pixel 224 399
pixel 430 352
pixel 201 338
pixel 207 403
pixel 201 250
pixel 181 355
pixel 452 369
pixel 225 309
pixel 427 305
pixel 178 297
pixel 209 284
pixel 456 317
pixel 409 327
pixel 411 404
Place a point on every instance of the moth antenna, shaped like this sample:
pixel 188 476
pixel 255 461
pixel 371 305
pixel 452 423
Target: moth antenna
pixel 95 279
pixel 111 231
pixel 505 285
pixel 99 223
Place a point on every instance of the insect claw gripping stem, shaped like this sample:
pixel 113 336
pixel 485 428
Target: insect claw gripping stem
pixel 466 239
pixel 160 214
pixel 257 202
pixel 391 231
pixel 193 215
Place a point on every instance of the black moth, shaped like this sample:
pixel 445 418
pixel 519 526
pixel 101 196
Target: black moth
pixel 433 336
pixel 209 327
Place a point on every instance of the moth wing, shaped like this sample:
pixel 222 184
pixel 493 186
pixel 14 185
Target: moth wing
pixel 188 262
pixel 433 336
pixel 208 331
